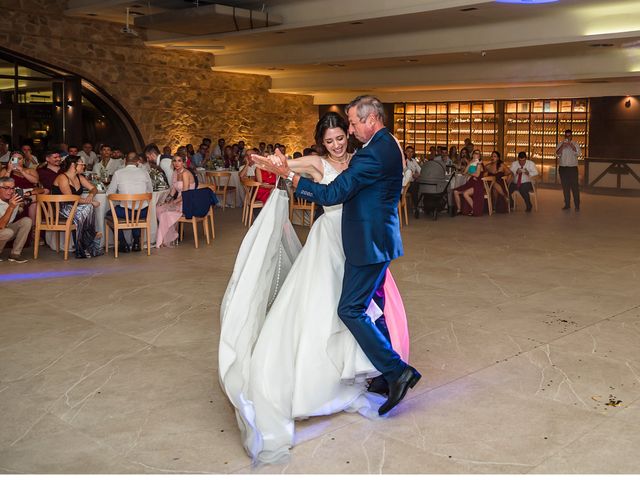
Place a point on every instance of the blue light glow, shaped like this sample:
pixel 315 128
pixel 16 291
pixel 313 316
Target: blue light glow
pixel 17 277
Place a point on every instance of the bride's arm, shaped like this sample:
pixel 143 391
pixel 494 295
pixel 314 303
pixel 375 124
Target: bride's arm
pixel 310 165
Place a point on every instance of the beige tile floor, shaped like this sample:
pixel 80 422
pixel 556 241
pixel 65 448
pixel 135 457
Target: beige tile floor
pixel 525 326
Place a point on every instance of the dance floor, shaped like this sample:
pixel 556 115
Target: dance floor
pixel 526 328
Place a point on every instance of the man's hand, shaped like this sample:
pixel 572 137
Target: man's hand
pixel 273 163
pixel 15 201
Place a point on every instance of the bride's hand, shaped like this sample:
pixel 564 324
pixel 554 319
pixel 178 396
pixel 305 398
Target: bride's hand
pixel 273 163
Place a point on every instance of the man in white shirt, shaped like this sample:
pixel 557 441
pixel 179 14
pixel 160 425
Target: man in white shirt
pixel 568 152
pixel 88 155
pixel 523 171
pixel 130 180
pixel 218 149
pixel 116 162
pixel 9 228
pixel 30 160
pixel 103 161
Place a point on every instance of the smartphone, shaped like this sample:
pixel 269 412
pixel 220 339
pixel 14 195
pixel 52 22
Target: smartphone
pixel 15 160
pixel 19 192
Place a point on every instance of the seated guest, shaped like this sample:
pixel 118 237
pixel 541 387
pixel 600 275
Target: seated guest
pixel 71 150
pixel 523 171
pixel 130 180
pixel 201 156
pixel 48 172
pixel 268 181
pixel 218 149
pixel 5 154
pixel 170 212
pixel 248 171
pixel 30 160
pixel 472 191
pixel 499 193
pixel 166 153
pixel 453 154
pixel 100 167
pixel 155 160
pixel 116 162
pixel 25 178
pixel 10 228
pixel 88 155
pixel 71 181
pixel 297 155
pixel 229 157
pixel 463 160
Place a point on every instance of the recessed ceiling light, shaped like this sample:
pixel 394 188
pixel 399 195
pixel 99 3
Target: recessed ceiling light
pixel 336 65
pixel 356 23
pixel 275 68
pixel 469 9
pixel 135 12
pixel 279 32
pixel 410 60
pixel 601 45
pixel 92 14
pixel 526 2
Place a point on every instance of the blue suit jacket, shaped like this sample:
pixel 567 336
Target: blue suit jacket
pixel 369 191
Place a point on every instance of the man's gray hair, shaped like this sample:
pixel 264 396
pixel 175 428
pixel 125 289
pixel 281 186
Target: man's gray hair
pixel 365 105
pixel 7 180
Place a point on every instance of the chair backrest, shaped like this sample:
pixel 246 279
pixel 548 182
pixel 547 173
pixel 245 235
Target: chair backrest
pixel 219 179
pixel 48 211
pixel 252 188
pixel 132 208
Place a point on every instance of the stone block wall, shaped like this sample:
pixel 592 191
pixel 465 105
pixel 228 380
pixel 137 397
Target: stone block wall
pixel 173 96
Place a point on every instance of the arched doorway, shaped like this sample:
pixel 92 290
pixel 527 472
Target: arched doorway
pixel 44 106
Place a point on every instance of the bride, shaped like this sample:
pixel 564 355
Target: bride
pixel 284 352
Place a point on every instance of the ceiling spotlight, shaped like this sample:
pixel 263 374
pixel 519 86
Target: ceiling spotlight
pixel 627 104
pixel 336 65
pixel 410 60
pixel 356 23
pixel 601 45
pixel 526 2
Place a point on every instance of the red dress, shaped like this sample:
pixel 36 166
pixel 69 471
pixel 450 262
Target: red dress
pixel 478 196
pixel 263 193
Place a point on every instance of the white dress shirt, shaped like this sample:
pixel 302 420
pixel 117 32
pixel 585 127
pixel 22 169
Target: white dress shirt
pixel 414 166
pixel 4 206
pixel 5 158
pixel 568 157
pixel 166 164
pixel 526 177
pixel 89 159
pixel 130 180
pixel 114 165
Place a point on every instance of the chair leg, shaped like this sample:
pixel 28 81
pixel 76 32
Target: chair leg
pixel 115 241
pixel 57 234
pixel 36 244
pixel 195 230
pixel 205 227
pixel 213 228
pixel 181 231
pixel 67 238
pixel 147 234
pixel 106 238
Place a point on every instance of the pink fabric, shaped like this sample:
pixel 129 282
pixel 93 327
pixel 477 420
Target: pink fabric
pixel 396 318
pixel 168 215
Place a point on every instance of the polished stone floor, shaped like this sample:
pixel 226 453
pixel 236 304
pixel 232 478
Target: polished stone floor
pixel 525 326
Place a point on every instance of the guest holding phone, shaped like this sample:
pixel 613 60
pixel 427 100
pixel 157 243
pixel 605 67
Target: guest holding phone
pixel 523 172
pixel 11 228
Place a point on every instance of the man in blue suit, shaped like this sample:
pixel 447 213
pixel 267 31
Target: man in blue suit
pixel 369 191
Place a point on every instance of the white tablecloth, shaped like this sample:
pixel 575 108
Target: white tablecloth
pixel 234 181
pixel 101 211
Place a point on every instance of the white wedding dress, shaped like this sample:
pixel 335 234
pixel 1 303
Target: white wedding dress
pixel 294 358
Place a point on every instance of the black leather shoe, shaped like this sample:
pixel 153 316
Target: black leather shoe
pixel 379 385
pixel 136 247
pixel 124 248
pixel 399 388
pixel 566 207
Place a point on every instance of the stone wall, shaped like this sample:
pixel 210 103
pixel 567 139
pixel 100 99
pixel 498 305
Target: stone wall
pixel 173 96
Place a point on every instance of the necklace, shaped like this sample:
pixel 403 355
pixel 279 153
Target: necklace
pixel 342 162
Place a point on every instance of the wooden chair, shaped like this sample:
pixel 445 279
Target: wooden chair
pixel 132 218
pixel 194 223
pixel 533 195
pixel 48 219
pixel 220 181
pixel 488 182
pixel 250 201
pixel 302 205
pixel 402 205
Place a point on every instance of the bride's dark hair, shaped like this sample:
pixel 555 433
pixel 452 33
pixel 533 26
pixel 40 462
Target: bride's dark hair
pixel 329 120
